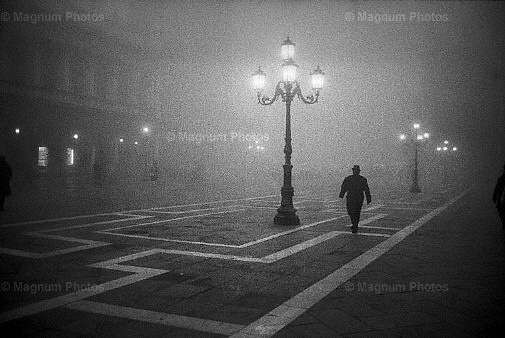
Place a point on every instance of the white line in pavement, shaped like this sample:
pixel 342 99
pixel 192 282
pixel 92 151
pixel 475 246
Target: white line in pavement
pixel 52 220
pixel 258 207
pixel 88 244
pixel 264 239
pixel 169 240
pixel 170 220
pixel 106 232
pixel 373 207
pixel 399 208
pixel 426 199
pixel 204 203
pixel 373 234
pixel 191 323
pixel 320 201
pixel 72 227
pixel 193 210
pixel 35 255
pixel 342 209
pixel 314 241
pixel 374 227
pixel 139 274
pixel 127 211
pixel 415 203
pixel 281 254
pixel 284 314
pixel 213 255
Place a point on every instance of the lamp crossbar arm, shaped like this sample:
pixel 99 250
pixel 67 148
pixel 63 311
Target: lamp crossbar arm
pixel 266 101
pixel 309 99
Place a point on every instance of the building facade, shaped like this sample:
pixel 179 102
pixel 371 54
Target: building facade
pixel 72 104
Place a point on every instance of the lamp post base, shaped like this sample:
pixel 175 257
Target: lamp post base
pixel 286 216
pixel 415 189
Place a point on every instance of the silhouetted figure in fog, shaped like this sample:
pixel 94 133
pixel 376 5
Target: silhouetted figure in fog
pixel 98 172
pixel 154 171
pixel 5 177
pixel 499 197
pixel 355 186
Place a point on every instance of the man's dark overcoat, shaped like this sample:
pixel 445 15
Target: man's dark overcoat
pixel 5 176
pixel 499 193
pixel 355 185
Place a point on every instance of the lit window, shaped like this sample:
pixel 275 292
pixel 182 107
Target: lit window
pixel 70 156
pixel 43 156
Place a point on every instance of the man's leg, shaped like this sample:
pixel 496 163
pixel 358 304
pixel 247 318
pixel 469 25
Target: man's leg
pixel 2 200
pixel 354 221
pixel 502 216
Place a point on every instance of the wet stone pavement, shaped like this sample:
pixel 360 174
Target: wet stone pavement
pixel 430 264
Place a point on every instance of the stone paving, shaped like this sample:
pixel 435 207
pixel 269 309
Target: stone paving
pixel 421 265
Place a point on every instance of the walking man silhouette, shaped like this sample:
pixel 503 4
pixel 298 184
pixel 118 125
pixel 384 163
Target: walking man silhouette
pixel 355 185
pixel 499 197
pixel 5 177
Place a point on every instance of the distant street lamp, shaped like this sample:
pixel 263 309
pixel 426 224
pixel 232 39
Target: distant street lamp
pixel 287 89
pixel 445 150
pixel 445 147
pixel 416 138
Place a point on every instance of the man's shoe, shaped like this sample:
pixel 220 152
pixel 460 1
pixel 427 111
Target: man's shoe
pixel 354 230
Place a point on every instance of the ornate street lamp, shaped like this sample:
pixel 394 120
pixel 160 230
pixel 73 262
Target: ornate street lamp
pixel 416 138
pixel 287 90
pixel 445 147
pixel 446 150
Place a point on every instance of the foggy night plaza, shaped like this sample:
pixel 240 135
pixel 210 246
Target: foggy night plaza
pixel 177 165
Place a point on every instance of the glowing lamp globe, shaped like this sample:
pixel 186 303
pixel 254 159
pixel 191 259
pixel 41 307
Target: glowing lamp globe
pixel 287 49
pixel 317 79
pixel 289 71
pixel 259 78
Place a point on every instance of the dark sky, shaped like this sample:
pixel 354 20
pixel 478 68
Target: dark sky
pixel 381 77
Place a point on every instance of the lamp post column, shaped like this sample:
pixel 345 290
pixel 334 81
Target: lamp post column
pixel 286 213
pixel 415 184
pixel 287 89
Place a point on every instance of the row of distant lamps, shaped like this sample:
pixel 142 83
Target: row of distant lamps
pixel 76 136
pixel 446 147
pixel 425 136
pixel 420 137
pixel 145 130
pixel 18 131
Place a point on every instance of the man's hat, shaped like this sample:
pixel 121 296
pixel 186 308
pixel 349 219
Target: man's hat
pixel 356 168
